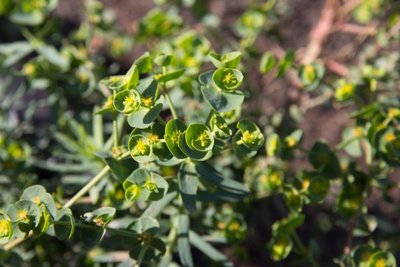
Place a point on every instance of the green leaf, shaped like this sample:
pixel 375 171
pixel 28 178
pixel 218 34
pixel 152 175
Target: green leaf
pixel 156 207
pixel 219 100
pixel 209 174
pixel 285 63
pixel 6 228
pixel 173 130
pixel 324 160
pixel 280 247
pixel 163 78
pixel 131 78
pixel 362 254
pixel 188 181
pixel 148 87
pixel 30 19
pixel 310 75
pixel 14 52
pixel 144 63
pixel 144 224
pixel 121 168
pixel 267 62
pixel 39 195
pixel 144 117
pixel 185 253
pixel 92 236
pixel 273 145
pixel 382 258
pixel 64 224
pixel 53 56
pixel 228 60
pixel 218 257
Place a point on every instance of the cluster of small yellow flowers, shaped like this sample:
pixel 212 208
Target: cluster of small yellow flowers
pixel 204 139
pixel 229 79
pixel 130 103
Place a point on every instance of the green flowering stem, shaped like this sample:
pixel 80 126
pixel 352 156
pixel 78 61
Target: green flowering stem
pixel 303 249
pixel 87 187
pixel 142 253
pixel 115 132
pixel 114 231
pixel 346 143
pixel 171 241
pixel 171 106
pixel 15 242
pixel 10 245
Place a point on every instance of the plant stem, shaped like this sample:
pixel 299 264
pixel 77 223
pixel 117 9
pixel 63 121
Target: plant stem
pixel 10 245
pixel 166 259
pixel 171 106
pixel 209 116
pixel 87 187
pixel 142 253
pixel 115 132
pixel 115 231
pixel 301 246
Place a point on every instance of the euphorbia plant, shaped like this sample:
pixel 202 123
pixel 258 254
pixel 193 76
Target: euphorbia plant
pixel 158 139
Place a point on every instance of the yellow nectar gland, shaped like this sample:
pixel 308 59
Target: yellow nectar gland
pixel 129 103
pixel 153 138
pixel 17 153
pixel 358 132
pixel 175 136
pixel 279 246
pixel 5 227
pixel 380 263
pixel 305 184
pixel 275 178
pixel 149 185
pixel 290 141
pixel 29 69
pixel 36 200
pixel 134 190
pixel 273 144
pixel 309 72
pixel 22 215
pixel 221 225
pixel 234 227
pixel 365 256
pixel 204 139
pixel 393 112
pixel 140 148
pixel 229 79
pixel 249 138
pixel 389 137
pixel 108 103
pixel 99 221
pixel 147 101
